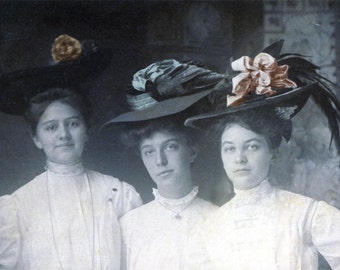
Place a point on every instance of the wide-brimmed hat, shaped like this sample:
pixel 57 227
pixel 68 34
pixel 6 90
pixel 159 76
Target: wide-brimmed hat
pixel 282 86
pixel 74 62
pixel 166 88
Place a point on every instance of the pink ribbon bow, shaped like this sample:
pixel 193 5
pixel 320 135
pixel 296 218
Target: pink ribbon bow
pixel 260 75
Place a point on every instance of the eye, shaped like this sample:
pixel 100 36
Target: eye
pixel 228 149
pixel 171 146
pixel 253 147
pixel 148 152
pixel 73 124
pixel 51 127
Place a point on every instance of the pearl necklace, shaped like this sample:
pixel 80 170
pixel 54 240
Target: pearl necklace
pixel 53 229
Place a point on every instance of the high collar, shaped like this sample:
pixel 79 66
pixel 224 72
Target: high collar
pixel 262 189
pixel 62 169
pixel 173 202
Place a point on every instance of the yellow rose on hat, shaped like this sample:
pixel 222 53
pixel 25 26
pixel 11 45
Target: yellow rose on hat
pixel 66 48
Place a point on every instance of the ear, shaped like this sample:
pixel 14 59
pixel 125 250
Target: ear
pixel 37 142
pixel 194 153
pixel 275 153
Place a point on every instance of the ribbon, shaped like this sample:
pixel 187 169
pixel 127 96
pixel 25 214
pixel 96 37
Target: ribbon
pixel 260 75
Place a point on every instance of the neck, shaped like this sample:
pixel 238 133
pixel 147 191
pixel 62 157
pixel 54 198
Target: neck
pixel 263 186
pixel 71 168
pixel 175 191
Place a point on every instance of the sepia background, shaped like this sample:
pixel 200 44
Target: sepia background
pixel 141 32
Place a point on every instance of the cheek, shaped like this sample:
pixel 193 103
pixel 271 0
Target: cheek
pixel 263 162
pixel 44 141
pixel 182 158
pixel 81 136
pixel 226 160
pixel 148 164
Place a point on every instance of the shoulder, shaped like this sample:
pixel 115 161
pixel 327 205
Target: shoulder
pixel 124 196
pixel 111 181
pixel 138 213
pixel 7 204
pixel 292 199
pixel 35 186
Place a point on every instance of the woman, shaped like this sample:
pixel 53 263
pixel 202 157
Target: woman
pixel 66 217
pixel 263 227
pixel 155 234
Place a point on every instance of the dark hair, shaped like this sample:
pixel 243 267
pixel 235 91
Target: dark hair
pixel 39 103
pixel 132 135
pixel 262 121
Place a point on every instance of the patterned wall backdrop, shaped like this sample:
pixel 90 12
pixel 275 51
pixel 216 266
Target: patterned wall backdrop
pixel 308 165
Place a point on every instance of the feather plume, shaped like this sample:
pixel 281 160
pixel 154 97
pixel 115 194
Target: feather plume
pixel 304 72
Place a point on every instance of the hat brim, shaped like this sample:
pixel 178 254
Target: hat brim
pixel 18 87
pixel 160 109
pixel 296 97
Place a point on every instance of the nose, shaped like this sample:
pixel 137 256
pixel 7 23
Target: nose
pixel 161 159
pixel 241 157
pixel 64 132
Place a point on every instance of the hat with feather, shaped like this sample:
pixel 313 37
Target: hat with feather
pixel 281 86
pixel 74 62
pixel 166 88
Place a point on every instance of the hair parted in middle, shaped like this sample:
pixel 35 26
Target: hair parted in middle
pixel 133 135
pixel 39 103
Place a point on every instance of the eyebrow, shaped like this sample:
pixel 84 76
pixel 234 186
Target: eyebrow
pixel 165 142
pixel 247 141
pixel 57 120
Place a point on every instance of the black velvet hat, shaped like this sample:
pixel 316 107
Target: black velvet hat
pixel 282 86
pixel 74 63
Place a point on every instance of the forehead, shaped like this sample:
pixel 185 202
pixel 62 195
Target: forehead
pixel 58 111
pixel 235 133
pixel 159 137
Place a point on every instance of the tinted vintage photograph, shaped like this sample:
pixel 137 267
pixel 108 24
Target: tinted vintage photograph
pixel 170 135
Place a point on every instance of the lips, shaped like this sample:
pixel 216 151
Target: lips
pixel 243 170
pixel 164 172
pixel 66 145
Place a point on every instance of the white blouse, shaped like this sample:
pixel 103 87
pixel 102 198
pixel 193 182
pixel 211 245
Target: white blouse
pixel 155 234
pixel 268 228
pixel 65 218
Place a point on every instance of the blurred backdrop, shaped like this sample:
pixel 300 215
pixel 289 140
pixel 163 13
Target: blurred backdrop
pixel 141 32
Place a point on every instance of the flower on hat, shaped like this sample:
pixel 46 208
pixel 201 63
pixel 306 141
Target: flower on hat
pixel 66 48
pixel 257 75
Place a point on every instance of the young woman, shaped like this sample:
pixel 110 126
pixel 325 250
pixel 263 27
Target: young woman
pixel 263 227
pixel 155 234
pixel 66 217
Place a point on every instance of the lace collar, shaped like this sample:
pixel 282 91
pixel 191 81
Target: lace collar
pixel 174 202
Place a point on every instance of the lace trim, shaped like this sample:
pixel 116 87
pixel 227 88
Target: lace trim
pixel 174 202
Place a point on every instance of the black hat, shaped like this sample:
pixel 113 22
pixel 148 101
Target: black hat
pixel 267 86
pixel 165 88
pixel 74 62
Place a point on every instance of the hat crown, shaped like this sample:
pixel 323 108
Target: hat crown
pixel 169 79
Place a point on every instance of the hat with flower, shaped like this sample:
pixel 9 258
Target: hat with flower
pixel 165 88
pixel 74 62
pixel 281 86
